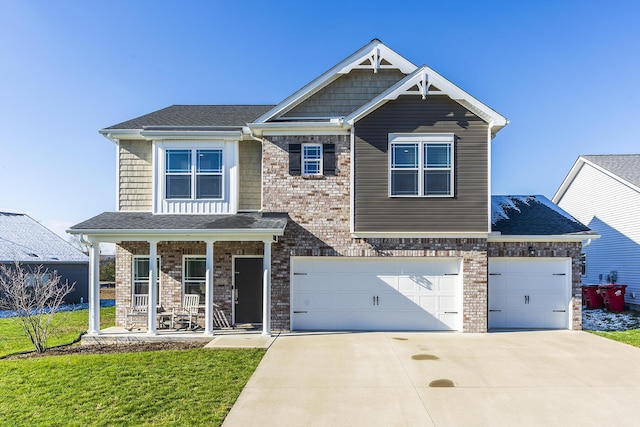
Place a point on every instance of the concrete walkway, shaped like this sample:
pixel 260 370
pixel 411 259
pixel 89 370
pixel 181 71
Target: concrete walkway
pixel 550 378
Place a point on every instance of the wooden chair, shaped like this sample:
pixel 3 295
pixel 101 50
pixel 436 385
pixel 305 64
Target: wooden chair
pixel 187 315
pixel 138 310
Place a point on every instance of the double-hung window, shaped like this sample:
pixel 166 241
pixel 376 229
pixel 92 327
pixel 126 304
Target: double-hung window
pixel 311 159
pixel 193 174
pixel 141 276
pixel 195 269
pixel 421 165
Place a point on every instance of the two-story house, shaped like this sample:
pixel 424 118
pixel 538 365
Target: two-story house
pixel 360 202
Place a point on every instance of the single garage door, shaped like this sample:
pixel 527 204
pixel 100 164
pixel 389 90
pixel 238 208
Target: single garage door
pixel 529 293
pixel 338 293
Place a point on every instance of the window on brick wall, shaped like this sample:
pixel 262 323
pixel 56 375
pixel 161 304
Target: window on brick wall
pixel 194 277
pixel 141 276
pixel 312 159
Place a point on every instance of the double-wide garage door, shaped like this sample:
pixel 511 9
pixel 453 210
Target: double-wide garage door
pixel 338 293
pixel 533 293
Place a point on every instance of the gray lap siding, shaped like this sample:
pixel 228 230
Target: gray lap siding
pixel 467 211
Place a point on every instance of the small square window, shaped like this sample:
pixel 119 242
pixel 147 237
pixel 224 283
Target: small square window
pixel 311 159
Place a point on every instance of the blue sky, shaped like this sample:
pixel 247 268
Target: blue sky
pixel 563 72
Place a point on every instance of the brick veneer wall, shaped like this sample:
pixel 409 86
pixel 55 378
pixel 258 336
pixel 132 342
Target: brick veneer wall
pixel 171 256
pixel 551 250
pixel 319 226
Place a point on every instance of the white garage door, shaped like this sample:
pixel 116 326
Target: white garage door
pixel 529 293
pixel 337 293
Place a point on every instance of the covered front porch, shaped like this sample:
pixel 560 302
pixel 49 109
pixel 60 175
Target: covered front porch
pixel 182 245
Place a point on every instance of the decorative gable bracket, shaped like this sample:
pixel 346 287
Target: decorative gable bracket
pixel 379 57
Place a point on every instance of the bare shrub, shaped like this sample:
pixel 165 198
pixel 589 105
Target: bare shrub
pixel 35 293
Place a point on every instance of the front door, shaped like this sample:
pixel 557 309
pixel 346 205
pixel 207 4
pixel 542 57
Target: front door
pixel 248 290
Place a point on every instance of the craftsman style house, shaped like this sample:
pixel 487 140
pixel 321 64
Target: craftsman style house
pixel 360 202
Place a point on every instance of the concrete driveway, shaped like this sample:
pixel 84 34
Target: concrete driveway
pixel 543 378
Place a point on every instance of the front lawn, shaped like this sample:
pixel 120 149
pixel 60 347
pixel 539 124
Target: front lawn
pixel 68 325
pixel 163 388
pixel 631 336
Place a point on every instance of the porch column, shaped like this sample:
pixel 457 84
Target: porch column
pixel 153 292
pixel 94 288
pixel 266 289
pixel 208 308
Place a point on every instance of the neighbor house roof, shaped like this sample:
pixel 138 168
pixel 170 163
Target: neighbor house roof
pixel 533 216
pixel 180 116
pixel 148 224
pixel 23 239
pixel 625 166
pixel 622 167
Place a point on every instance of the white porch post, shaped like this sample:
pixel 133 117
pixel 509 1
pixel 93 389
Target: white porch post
pixel 153 293
pixel 208 308
pixel 94 288
pixel 266 289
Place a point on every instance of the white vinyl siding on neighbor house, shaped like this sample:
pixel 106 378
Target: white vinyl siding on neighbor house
pixel 421 165
pixel 196 177
pixel 610 208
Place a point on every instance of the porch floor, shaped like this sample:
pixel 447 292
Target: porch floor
pixel 246 337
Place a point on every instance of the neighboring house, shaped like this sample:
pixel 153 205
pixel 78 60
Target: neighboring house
pixel 360 202
pixel 26 241
pixel 603 191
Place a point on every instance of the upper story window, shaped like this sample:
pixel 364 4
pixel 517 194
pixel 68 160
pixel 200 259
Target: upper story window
pixel 311 159
pixel 421 165
pixel 193 174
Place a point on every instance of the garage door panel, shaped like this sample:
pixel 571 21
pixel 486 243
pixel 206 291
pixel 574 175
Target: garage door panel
pixel 529 292
pixel 374 294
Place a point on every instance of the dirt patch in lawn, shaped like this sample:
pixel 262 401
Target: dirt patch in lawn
pixel 111 349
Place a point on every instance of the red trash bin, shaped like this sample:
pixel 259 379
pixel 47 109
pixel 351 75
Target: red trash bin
pixel 592 298
pixel 613 296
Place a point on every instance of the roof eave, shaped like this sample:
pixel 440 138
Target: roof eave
pixel 112 235
pixel 572 237
pixel 333 127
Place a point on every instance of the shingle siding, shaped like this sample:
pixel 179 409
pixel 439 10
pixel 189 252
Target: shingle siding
pixel 347 93
pixel 135 189
pixel 375 211
pixel 250 171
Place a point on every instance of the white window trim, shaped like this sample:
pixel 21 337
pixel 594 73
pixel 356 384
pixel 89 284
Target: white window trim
pixel 303 160
pixel 184 275
pixel 193 173
pixel 133 276
pixel 422 140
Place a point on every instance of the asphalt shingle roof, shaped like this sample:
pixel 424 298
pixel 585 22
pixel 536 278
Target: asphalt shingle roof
pixel 148 221
pixel 626 166
pixel 532 216
pixel 197 115
pixel 23 239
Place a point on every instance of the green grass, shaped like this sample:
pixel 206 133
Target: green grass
pixel 631 336
pixel 163 388
pixel 67 325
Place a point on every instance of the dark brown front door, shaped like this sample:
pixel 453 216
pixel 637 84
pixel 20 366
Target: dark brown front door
pixel 248 290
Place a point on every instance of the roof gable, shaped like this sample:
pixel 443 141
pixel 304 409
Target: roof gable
pixel 23 239
pixel 421 82
pixel 621 167
pixel 373 56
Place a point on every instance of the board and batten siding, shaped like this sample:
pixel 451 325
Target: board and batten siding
pixel 376 211
pixel 612 209
pixel 135 188
pixel 347 93
pixel 250 179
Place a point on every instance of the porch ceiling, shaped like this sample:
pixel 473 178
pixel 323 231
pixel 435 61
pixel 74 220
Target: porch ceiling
pixel 123 226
